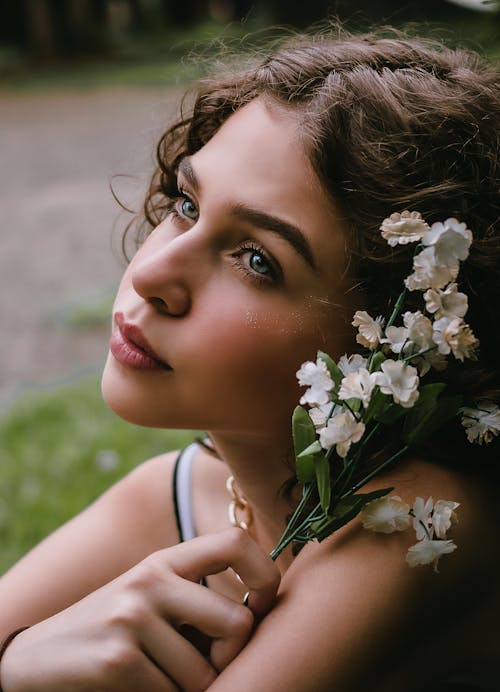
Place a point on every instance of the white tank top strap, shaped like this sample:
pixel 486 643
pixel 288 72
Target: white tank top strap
pixel 182 496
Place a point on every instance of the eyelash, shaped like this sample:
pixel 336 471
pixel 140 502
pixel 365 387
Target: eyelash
pixel 177 197
pixel 250 246
pixel 173 209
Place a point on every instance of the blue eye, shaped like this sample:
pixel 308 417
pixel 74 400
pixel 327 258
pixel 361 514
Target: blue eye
pixel 188 209
pixel 259 264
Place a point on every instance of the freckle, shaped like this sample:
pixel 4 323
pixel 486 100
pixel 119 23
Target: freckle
pixel 251 318
pixel 295 326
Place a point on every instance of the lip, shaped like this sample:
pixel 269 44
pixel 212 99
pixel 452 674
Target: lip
pixel 130 347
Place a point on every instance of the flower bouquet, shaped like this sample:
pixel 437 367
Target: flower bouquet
pixel 346 404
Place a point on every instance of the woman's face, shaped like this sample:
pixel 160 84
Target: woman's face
pixel 239 285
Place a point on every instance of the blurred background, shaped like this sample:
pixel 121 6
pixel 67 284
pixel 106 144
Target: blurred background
pixel 86 87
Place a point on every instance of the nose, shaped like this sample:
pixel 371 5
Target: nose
pixel 160 274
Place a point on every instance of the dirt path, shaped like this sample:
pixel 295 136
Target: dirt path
pixel 57 153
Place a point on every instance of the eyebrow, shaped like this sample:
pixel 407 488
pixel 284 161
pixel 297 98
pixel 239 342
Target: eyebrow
pixel 262 219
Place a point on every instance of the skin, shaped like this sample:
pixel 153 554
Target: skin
pixel 234 341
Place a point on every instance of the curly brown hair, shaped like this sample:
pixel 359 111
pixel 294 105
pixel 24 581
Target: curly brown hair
pixel 390 122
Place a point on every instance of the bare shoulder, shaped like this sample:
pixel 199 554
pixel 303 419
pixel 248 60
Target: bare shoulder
pixel 351 613
pixel 132 519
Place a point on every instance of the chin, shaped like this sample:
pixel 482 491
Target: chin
pixel 135 403
pixel 123 399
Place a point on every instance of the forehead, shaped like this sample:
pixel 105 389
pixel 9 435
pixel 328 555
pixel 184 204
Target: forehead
pixel 263 141
pixel 258 158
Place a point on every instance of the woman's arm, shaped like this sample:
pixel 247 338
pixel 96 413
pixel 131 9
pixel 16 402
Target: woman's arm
pixel 126 635
pixel 128 522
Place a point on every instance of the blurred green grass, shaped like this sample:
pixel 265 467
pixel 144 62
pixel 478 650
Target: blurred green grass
pixel 60 450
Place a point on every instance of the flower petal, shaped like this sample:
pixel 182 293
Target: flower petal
pixel 482 424
pixel 341 431
pixel 455 336
pixel 400 229
pixel 358 385
pixel 386 515
pixel 428 551
pixel 399 380
pixel 444 516
pixel 369 330
pixel 320 383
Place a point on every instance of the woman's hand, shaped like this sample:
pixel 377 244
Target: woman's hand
pixel 125 636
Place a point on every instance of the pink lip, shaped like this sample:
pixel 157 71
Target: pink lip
pixel 131 348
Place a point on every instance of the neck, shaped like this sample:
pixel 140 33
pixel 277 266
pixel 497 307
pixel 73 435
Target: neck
pixel 260 465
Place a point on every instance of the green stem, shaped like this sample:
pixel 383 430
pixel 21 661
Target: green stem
pixel 348 470
pixel 397 308
pixel 290 536
pixel 291 530
pixel 371 475
pixel 420 353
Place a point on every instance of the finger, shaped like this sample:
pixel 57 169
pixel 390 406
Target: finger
pixel 175 655
pixel 229 623
pixel 144 676
pixel 232 548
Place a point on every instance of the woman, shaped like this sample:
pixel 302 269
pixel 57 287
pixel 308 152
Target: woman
pixel 266 207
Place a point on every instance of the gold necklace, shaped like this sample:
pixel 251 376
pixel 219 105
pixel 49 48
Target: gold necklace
pixel 239 504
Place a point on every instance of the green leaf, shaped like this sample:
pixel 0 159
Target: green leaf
pixel 335 372
pixel 322 468
pixel 376 361
pixel 422 422
pixel 343 512
pixel 391 413
pixel 429 394
pixel 418 415
pixel 313 448
pixel 379 403
pixel 353 404
pixel 304 437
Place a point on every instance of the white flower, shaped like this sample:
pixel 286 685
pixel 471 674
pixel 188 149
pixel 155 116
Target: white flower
pixel 419 330
pixel 403 228
pixel 415 336
pixel 369 330
pixel 386 515
pixel 448 303
pixel 426 551
pixel 342 430
pixel 447 243
pixel 317 377
pixel 431 359
pixel 456 336
pixel 319 414
pixel 428 272
pixel 482 423
pixel 450 239
pixel 422 517
pixel 396 337
pixel 444 516
pixel 420 340
pixel 399 380
pixel 352 363
pixel 358 385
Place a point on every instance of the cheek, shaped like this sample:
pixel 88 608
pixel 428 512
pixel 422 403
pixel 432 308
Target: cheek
pixel 286 335
pixel 261 352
